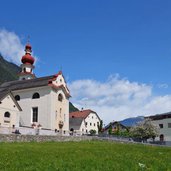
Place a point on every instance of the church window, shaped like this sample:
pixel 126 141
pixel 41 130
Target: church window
pixel 161 125
pixel 60 97
pixel 36 96
pixel 60 111
pixel 169 125
pixel 64 117
pixel 17 98
pixel 7 115
pixel 35 114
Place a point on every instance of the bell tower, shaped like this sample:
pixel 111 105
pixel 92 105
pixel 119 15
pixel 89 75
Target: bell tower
pixel 27 64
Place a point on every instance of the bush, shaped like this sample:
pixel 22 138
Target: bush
pixel 92 132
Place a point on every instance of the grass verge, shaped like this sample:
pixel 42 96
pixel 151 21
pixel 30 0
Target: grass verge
pixel 83 156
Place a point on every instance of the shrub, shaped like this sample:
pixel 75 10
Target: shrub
pixel 92 132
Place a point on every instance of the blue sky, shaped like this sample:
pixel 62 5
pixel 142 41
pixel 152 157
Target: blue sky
pixel 97 41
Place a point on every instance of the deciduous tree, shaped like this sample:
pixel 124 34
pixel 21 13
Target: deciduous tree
pixel 144 130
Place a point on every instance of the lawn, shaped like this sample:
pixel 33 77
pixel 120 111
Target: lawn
pixel 83 156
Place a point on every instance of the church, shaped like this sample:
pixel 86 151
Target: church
pixel 32 102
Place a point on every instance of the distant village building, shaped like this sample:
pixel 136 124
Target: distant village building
pixel 164 122
pixel 114 127
pixel 42 102
pixel 81 122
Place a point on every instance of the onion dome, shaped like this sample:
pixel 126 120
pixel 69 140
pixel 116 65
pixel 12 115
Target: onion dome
pixel 27 58
pixel 28 46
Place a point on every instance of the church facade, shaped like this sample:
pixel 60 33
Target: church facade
pixel 44 101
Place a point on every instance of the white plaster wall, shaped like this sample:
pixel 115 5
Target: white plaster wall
pixel 165 130
pixel 43 103
pixel 60 111
pixel 26 77
pixel 27 67
pixel 93 119
pixel 48 107
pixel 8 105
pixel 82 129
pixel 60 81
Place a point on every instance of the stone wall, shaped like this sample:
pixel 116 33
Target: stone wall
pixel 41 138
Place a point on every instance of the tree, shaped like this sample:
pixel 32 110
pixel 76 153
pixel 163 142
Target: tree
pixel 100 126
pixel 144 130
pixel 92 132
pixel 110 130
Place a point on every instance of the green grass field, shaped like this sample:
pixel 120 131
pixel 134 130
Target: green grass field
pixel 83 156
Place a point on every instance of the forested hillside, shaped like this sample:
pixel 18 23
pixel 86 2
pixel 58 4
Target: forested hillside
pixel 8 70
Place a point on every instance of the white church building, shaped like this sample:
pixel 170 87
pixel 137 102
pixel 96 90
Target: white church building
pixel 32 102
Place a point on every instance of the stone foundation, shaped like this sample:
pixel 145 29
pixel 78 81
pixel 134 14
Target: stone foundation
pixel 41 138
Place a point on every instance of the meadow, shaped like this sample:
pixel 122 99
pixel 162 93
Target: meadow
pixel 83 156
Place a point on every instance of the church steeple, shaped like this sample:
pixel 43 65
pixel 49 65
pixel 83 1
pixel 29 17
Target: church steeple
pixel 27 64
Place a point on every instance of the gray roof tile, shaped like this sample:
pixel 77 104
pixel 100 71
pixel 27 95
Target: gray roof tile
pixel 24 84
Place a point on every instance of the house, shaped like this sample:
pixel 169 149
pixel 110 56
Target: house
pixel 9 110
pixel 77 126
pixel 114 127
pixel 164 122
pixel 83 121
pixel 44 101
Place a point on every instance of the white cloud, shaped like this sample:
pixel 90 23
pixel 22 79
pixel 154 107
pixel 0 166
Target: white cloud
pixel 11 47
pixel 163 85
pixel 118 98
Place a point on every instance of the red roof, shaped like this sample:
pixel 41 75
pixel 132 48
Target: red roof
pixel 28 46
pixel 81 114
pixel 27 58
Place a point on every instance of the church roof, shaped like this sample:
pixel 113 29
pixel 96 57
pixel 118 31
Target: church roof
pixel 32 83
pixel 75 123
pixel 24 84
pixel 4 93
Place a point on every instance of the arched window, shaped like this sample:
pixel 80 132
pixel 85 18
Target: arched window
pixel 60 97
pixel 7 115
pixel 17 97
pixel 36 96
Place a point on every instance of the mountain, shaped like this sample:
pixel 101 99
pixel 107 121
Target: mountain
pixel 8 70
pixel 72 108
pixel 132 121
